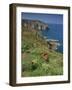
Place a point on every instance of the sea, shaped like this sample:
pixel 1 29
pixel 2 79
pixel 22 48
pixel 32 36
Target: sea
pixel 55 31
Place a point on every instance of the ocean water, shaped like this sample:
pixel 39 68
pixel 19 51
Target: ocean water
pixel 55 31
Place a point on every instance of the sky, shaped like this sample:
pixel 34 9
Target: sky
pixel 47 18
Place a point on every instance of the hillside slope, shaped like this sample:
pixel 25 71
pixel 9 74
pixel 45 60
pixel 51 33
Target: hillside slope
pixel 37 59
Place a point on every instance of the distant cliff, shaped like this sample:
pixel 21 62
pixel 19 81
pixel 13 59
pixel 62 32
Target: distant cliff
pixel 34 24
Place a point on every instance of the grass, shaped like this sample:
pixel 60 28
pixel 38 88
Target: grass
pixel 33 64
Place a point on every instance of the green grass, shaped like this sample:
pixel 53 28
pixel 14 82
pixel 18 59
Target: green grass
pixel 32 48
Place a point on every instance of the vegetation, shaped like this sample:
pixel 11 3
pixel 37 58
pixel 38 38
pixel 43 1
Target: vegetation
pixel 37 59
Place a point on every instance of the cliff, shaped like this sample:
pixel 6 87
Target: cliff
pixel 34 24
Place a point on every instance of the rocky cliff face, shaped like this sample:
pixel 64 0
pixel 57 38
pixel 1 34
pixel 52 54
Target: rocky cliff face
pixel 34 24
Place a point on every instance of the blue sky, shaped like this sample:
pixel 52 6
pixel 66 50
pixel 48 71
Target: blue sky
pixel 47 18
